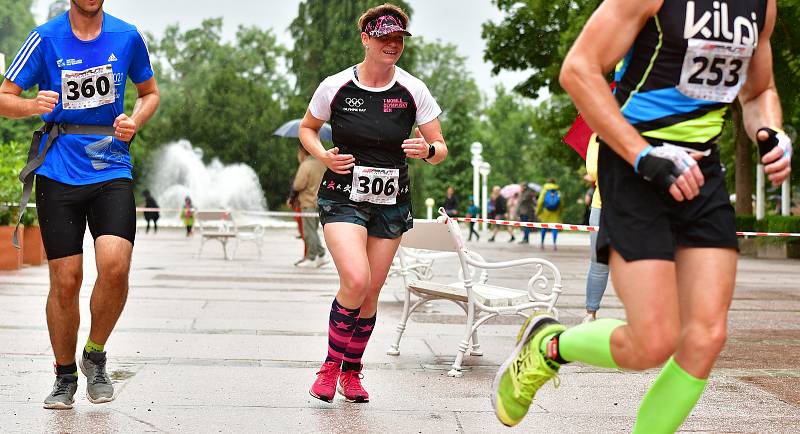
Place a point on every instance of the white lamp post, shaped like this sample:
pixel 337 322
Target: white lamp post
pixel 429 203
pixel 485 169
pixel 760 200
pixel 476 148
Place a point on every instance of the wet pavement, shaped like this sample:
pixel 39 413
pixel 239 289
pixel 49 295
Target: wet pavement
pixel 208 345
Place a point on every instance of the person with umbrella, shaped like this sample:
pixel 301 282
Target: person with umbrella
pixel 365 195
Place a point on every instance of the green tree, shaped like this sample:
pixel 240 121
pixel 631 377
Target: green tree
pixel 445 73
pixel 16 21
pixel 326 40
pixel 535 35
pixel 226 98
pixel 12 154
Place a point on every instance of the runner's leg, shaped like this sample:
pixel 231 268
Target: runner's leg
pixel 380 252
pixel 706 279
pixel 347 243
pixel 113 259
pixel 597 278
pixel 651 308
pixel 63 312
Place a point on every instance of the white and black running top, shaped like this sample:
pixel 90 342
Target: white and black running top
pixel 371 123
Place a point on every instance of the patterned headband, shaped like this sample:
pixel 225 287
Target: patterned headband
pixel 384 25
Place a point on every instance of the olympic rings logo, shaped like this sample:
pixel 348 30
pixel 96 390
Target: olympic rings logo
pixel 354 102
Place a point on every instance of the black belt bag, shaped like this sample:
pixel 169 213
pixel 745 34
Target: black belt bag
pixel 36 158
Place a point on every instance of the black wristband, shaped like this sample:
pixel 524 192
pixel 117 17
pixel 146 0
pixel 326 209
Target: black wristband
pixel 431 152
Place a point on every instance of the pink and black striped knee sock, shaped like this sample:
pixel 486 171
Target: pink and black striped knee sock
pixel 358 343
pixel 340 329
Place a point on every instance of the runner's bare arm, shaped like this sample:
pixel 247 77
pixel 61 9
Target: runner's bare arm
pixel 146 105
pixel 427 134
pixel 761 106
pixel 14 106
pixel 594 54
pixel 147 102
pixel 309 137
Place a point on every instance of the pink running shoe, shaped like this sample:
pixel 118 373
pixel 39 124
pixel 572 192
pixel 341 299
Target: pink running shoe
pixel 324 387
pixel 350 386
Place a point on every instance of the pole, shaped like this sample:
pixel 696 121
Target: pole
pixel 760 205
pixel 476 164
pixel 786 198
pixel 475 149
pixel 485 201
pixel 429 204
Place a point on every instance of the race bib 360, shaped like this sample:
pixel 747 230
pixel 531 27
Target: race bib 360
pixel 89 88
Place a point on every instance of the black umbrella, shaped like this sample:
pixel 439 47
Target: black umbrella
pixel 292 129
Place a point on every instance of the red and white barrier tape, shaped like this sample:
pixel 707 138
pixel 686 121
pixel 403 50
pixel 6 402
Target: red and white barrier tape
pixel 583 228
pixel 517 224
pixel 257 213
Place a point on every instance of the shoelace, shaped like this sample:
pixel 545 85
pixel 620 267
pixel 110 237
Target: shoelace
pixel 100 372
pixel 528 376
pixel 61 387
pixel 352 380
pixel 325 377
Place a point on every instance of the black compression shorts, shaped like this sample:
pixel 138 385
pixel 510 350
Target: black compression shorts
pixel 64 211
pixel 381 221
pixel 640 222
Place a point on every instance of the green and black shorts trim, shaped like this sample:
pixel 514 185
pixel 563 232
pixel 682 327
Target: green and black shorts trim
pixel 640 222
pixel 381 221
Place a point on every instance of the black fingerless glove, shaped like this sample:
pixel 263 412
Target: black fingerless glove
pixel 662 165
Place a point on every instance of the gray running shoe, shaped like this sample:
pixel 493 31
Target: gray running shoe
pixel 63 395
pixel 98 386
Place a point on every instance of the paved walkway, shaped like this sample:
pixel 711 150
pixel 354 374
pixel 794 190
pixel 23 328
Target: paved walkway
pixel 207 345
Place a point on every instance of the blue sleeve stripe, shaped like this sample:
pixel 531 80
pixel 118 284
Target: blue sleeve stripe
pixel 24 54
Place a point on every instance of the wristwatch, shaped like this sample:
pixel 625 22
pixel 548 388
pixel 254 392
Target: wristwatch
pixel 431 152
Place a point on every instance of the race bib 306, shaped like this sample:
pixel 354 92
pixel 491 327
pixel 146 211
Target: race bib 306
pixel 375 185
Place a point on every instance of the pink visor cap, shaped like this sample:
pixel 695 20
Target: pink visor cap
pixel 384 25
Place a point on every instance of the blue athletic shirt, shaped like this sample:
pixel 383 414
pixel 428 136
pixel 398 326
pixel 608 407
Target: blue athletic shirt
pixel 81 72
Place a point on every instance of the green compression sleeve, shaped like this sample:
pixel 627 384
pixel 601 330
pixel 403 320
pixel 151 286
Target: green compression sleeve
pixel 669 401
pixel 590 343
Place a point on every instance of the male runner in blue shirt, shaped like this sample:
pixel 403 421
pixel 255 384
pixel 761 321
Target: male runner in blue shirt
pixel 80 62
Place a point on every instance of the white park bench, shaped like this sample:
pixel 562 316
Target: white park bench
pixel 481 301
pixel 219 225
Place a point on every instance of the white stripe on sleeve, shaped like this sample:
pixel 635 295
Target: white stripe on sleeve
pixel 21 52
pixel 12 75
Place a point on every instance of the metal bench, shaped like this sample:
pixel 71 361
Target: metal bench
pixel 480 300
pixel 219 225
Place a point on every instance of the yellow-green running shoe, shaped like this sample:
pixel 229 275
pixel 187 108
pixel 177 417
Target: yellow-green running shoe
pixel 525 371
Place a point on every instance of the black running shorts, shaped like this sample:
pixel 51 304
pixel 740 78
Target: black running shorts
pixel 381 221
pixel 641 222
pixel 64 211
